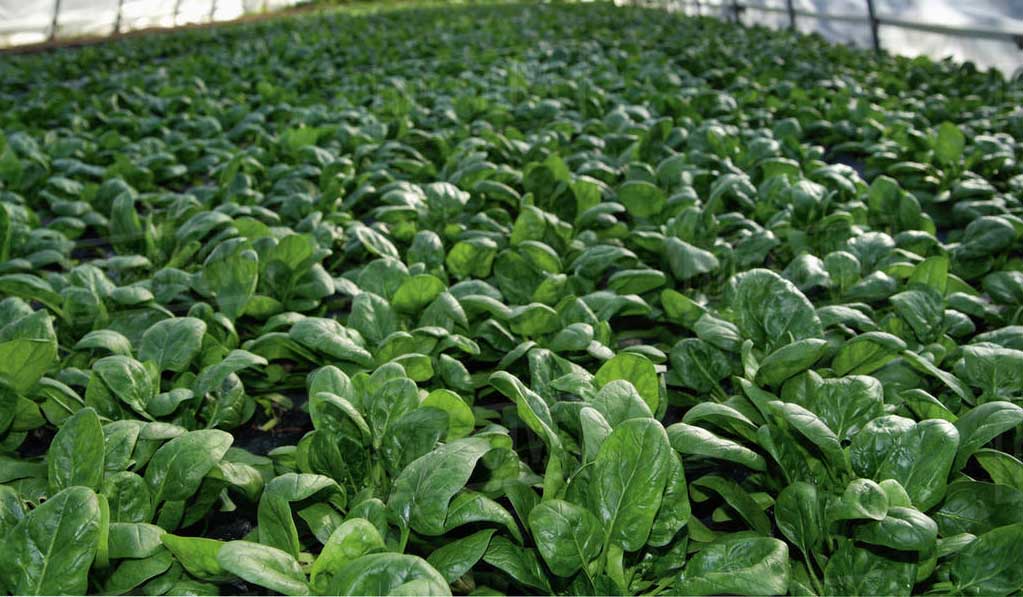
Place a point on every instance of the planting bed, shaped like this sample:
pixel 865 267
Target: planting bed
pixel 522 299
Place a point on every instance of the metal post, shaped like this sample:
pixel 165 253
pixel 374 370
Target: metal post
pixel 735 11
pixel 177 8
pixel 213 9
pixel 874 25
pixel 53 23
pixel 790 5
pixel 117 21
pixel 698 11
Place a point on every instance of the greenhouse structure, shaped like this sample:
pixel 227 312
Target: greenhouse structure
pixel 510 297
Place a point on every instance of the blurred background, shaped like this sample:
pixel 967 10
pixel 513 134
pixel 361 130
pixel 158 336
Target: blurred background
pixel 37 21
pixel 32 21
pixel 852 25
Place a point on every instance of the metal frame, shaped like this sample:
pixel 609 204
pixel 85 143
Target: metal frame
pixel 737 8
pixel 873 19
pixel 53 23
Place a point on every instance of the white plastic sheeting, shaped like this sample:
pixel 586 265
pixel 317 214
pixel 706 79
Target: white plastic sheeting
pixel 1001 15
pixel 31 21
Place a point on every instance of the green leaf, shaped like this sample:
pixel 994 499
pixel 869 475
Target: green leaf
pixel 637 370
pixel 989 565
pixel 132 573
pixel 737 565
pixel 76 453
pixel 862 499
pixel 976 507
pixel 1003 468
pixel 264 566
pixel 771 311
pixel 904 529
pixel 457 557
pixel 109 340
pixel 949 144
pixel 355 537
pixel 331 338
pixel 231 271
pixel 198 555
pixel 845 404
pixel 921 460
pixel 799 513
pixel 981 424
pixel 178 467
pixel 923 309
pixel 618 401
pixel 388 574
pixel 28 348
pixel 789 360
pixel 460 418
pixel 814 429
pixel 213 376
pixel 855 571
pixel 624 499
pixel 173 343
pixel 996 370
pixel 698 365
pixel 134 540
pixel 686 261
pixel 276 524
pixel 738 499
pixel 522 564
pixel 129 380
pixel 421 493
pixel 417 292
pixel 641 198
pixel 50 550
pixel 567 536
pixel 697 441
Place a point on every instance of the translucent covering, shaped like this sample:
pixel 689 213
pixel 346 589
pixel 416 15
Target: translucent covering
pixel 31 21
pixel 1001 15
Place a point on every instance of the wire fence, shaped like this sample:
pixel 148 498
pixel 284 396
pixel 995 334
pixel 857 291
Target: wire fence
pixel 1001 47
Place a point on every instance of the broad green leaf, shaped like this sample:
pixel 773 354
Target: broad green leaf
pixel 521 564
pixel 625 500
pixel 178 467
pixel 635 369
pixel 173 343
pixel 905 529
pixel 355 537
pixel 988 565
pixel 921 460
pixel 567 536
pixel 421 493
pixel 50 550
pixel 737 565
pixel 853 570
pixel 771 311
pixel 76 453
pixel 697 441
pixel 949 144
pixel 276 523
pixel 28 348
pixel 263 566
pixel 387 574
pixel 198 555
pixel 460 418
pixel 459 556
